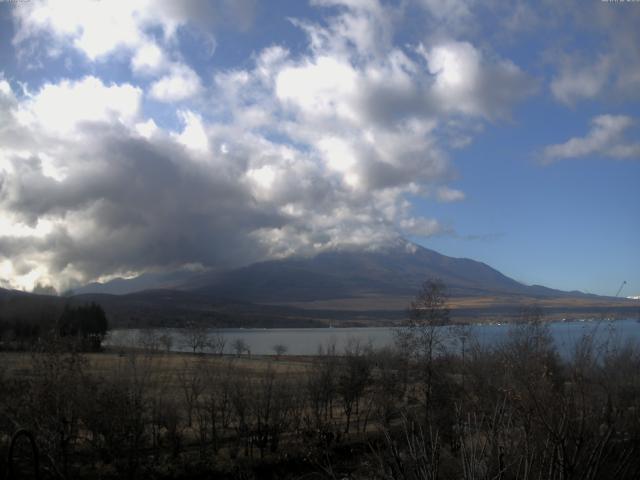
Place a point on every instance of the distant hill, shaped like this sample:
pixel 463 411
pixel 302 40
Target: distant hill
pixel 16 305
pixel 340 287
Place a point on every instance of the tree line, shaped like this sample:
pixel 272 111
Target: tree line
pixel 84 326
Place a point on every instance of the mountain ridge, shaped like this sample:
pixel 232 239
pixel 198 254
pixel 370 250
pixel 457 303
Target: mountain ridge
pixel 396 270
pixel 344 274
pixel 343 287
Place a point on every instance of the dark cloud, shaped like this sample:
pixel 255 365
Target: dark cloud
pixel 135 205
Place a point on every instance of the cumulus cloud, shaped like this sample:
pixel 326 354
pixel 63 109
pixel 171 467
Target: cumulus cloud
pixel 376 108
pixel 609 69
pixel 60 108
pixel 99 29
pixel 579 82
pixel 606 138
pixel 596 61
pixel 128 202
pixel 193 135
pixel 468 83
pixel 291 154
pixel 180 83
pixel 149 59
pixel 95 28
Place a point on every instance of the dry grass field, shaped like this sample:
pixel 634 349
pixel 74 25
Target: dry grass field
pixel 383 302
pixel 381 310
pixel 165 366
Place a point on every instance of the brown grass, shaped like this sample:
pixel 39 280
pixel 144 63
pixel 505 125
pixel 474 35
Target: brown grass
pixel 110 364
pixel 396 303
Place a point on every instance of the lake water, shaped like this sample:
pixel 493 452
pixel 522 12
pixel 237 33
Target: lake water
pixel 306 341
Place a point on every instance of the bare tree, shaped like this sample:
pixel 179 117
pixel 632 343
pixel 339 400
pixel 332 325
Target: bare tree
pixel 217 342
pixel 51 411
pixel 194 336
pixel 269 410
pixel 166 341
pixel 149 340
pixel 389 385
pixel 240 346
pixel 279 349
pixel 353 379
pixel 422 336
pixel 217 400
pixel 321 390
pixel 413 454
pixel 192 382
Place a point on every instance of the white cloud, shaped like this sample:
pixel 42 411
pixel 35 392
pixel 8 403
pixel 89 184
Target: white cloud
pixel 181 83
pixel 9 225
pixel 99 28
pixel 147 128
pixel 421 227
pixel 5 88
pixel 579 82
pixel 605 138
pixel 263 176
pixel 193 135
pixel 96 28
pixel 446 194
pixel 364 26
pixel 318 88
pixel 60 108
pixel 149 59
pixel 456 67
pixel 607 68
pixel 337 153
pixel 468 83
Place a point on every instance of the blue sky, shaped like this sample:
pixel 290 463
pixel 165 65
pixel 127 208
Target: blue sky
pixel 151 136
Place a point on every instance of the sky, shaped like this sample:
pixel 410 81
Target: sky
pixel 158 135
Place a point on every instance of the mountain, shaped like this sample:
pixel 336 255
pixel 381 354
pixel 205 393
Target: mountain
pixel 345 287
pixel 396 271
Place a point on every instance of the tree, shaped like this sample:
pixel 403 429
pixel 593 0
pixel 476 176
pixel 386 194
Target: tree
pixel 87 322
pixel 279 349
pixel 149 340
pixel 217 342
pixel 422 336
pixel 192 383
pixel 194 336
pixel 166 341
pixel 240 346
pixel 353 378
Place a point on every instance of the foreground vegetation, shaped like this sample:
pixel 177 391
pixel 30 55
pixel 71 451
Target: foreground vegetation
pixel 423 410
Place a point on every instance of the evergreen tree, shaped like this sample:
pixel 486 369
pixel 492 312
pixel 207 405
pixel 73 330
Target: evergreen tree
pixel 86 322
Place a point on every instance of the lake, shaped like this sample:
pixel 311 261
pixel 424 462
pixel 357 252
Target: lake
pixel 306 341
